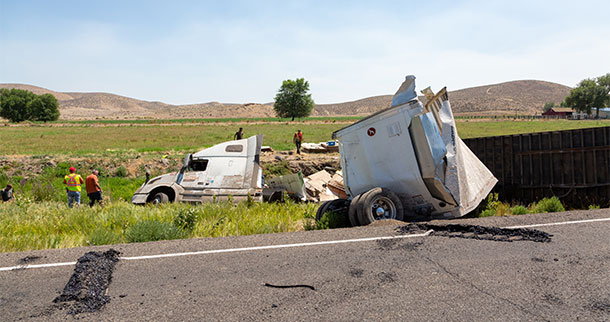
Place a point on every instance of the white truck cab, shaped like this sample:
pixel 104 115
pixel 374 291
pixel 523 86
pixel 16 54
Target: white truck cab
pixel 226 170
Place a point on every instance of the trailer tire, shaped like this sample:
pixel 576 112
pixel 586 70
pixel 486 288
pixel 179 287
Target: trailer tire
pixel 379 204
pixel 353 211
pixel 322 209
pixel 339 206
pixel 159 197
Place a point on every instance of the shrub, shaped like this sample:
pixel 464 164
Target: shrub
pixel 488 213
pixel 120 172
pixel 152 230
pixel 186 219
pixel 592 207
pixel 332 219
pixel 518 210
pixel 552 204
pixel 43 191
pixel 103 236
pixel 277 169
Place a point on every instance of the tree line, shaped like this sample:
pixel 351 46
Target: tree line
pixel 589 94
pixel 18 105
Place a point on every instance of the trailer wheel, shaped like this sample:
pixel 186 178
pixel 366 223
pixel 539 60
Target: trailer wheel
pixel 379 204
pixel 159 197
pixel 322 209
pixel 337 205
pixel 353 211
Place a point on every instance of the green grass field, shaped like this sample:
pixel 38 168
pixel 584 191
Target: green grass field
pixel 99 139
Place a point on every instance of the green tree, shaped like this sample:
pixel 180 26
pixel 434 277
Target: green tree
pixel 14 104
pixel 292 100
pixel 548 106
pixel 18 105
pixel 44 108
pixel 589 94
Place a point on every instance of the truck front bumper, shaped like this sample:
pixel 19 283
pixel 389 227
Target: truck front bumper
pixel 139 198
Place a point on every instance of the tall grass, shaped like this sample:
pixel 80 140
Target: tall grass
pixel 26 225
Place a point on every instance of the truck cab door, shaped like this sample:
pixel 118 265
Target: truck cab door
pixel 195 176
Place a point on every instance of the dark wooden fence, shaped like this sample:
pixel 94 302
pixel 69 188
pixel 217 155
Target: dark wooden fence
pixel 573 165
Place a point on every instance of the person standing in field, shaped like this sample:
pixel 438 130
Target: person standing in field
pixel 239 134
pixel 73 182
pixel 298 139
pixel 94 191
pixel 7 193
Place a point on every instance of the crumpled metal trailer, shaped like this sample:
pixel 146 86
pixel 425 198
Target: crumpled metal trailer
pixel 229 170
pixel 408 161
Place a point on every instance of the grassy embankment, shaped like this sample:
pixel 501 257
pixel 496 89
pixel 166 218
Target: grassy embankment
pixel 27 225
pixel 41 219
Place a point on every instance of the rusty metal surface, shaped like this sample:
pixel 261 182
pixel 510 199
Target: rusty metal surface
pixel 573 165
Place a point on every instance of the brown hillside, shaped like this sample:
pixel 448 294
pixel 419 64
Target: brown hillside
pixel 523 97
pixel 38 90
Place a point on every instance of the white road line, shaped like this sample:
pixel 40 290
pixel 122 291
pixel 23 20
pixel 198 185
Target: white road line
pixel 231 250
pixel 12 268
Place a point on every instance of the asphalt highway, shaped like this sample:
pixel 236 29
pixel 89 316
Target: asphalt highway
pixel 357 274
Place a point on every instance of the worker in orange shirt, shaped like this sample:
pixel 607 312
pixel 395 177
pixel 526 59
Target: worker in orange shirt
pixel 73 181
pixel 94 191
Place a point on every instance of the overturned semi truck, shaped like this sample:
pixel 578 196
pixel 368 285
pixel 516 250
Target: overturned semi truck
pixel 407 161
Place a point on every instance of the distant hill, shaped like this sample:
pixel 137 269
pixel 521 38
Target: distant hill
pixel 523 97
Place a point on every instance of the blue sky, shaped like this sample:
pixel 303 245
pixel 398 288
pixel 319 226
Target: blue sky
pixel 182 52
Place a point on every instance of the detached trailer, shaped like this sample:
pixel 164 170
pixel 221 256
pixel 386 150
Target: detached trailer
pixel 407 161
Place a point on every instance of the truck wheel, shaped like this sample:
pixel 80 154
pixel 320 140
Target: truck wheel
pixel 159 197
pixel 379 204
pixel 353 211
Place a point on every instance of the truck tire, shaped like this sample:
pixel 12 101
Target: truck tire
pixel 379 204
pixel 159 197
pixel 353 211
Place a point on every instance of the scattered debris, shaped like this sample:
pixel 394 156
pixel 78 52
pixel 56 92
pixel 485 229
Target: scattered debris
pixel 479 232
pixel 322 147
pixel 87 287
pixel 322 186
pixel 600 305
pixel 290 286
pixel 356 272
pixel 29 259
pixel 387 277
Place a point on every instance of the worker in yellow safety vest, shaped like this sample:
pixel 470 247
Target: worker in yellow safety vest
pixel 73 181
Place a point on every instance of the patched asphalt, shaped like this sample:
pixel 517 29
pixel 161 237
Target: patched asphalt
pixel 566 277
